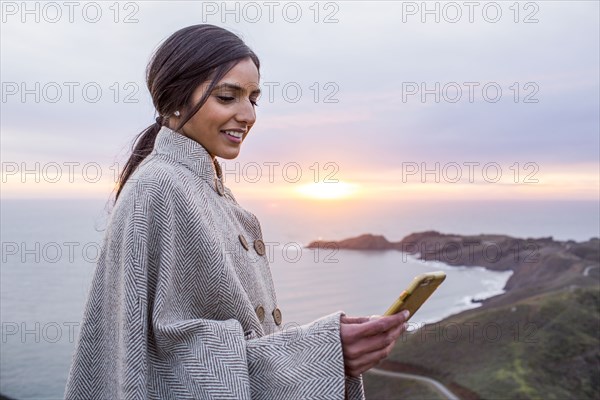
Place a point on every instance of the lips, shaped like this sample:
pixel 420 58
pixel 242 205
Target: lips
pixel 234 134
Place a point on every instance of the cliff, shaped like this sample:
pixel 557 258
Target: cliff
pixel 540 339
pixel 538 263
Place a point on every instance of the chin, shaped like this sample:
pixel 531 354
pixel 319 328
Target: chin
pixel 228 155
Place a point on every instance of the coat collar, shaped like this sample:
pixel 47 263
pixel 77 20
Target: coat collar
pixel 188 152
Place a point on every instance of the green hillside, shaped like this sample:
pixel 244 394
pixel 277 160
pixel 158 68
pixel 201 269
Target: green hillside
pixel 385 388
pixel 546 346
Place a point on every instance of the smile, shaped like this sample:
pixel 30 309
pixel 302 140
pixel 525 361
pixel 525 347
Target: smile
pixel 235 134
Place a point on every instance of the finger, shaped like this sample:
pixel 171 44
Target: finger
pixel 404 315
pixel 367 344
pixel 370 360
pixel 381 357
pixel 382 324
pixel 363 363
pixel 371 350
pixel 358 371
pixel 401 317
pixel 375 343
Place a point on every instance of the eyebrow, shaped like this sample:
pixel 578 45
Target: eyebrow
pixel 235 87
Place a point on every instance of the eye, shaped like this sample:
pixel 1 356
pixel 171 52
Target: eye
pixel 254 103
pixel 226 99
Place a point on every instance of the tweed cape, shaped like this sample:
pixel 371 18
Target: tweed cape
pixel 171 311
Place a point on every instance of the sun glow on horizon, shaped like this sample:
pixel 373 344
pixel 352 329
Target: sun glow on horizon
pixel 328 190
pixel 556 182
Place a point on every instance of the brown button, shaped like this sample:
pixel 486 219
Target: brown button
pixel 219 186
pixel 243 241
pixel 260 313
pixel 277 316
pixel 218 169
pixel 259 246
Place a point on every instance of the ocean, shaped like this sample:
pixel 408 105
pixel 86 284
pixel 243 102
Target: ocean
pixel 49 249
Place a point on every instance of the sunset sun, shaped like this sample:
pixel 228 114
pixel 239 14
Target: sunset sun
pixel 328 191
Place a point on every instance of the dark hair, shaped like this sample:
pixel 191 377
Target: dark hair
pixel 185 60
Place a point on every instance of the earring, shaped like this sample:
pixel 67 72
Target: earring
pixel 177 113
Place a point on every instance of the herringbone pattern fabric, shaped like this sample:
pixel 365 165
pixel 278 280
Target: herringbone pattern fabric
pixel 171 309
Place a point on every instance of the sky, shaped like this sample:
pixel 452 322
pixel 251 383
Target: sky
pixel 361 100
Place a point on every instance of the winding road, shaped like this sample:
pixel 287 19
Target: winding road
pixel 586 271
pixel 436 385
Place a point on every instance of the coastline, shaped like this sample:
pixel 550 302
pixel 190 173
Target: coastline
pixel 534 265
pixel 366 283
pixel 539 337
pixel 469 302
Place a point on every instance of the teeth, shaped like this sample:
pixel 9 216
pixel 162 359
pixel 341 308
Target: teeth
pixel 235 134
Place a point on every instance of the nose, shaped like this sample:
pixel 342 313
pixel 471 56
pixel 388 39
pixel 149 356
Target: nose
pixel 245 113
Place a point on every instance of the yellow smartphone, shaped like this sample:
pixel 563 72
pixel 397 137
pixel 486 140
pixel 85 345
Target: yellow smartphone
pixel 417 292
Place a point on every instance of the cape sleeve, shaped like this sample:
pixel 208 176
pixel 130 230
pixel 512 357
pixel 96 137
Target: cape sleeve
pixel 151 326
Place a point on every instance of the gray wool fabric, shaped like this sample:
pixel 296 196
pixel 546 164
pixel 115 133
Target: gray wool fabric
pixel 172 308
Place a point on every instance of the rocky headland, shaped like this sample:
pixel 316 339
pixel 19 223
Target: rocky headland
pixel 538 264
pixel 539 339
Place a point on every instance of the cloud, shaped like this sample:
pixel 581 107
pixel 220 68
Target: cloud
pixel 364 58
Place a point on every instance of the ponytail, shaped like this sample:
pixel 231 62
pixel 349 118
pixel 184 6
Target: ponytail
pixel 143 145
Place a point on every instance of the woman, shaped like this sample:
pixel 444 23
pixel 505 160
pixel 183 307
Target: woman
pixel 182 303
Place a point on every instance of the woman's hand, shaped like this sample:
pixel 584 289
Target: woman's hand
pixel 366 341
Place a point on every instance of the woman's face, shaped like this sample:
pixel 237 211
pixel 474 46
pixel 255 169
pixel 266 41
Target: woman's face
pixel 224 120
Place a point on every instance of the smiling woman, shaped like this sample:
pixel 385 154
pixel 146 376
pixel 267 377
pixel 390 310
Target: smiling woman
pixel 182 303
pixel 227 116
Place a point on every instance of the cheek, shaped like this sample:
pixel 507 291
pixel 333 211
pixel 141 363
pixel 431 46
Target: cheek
pixel 222 115
pixel 213 117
